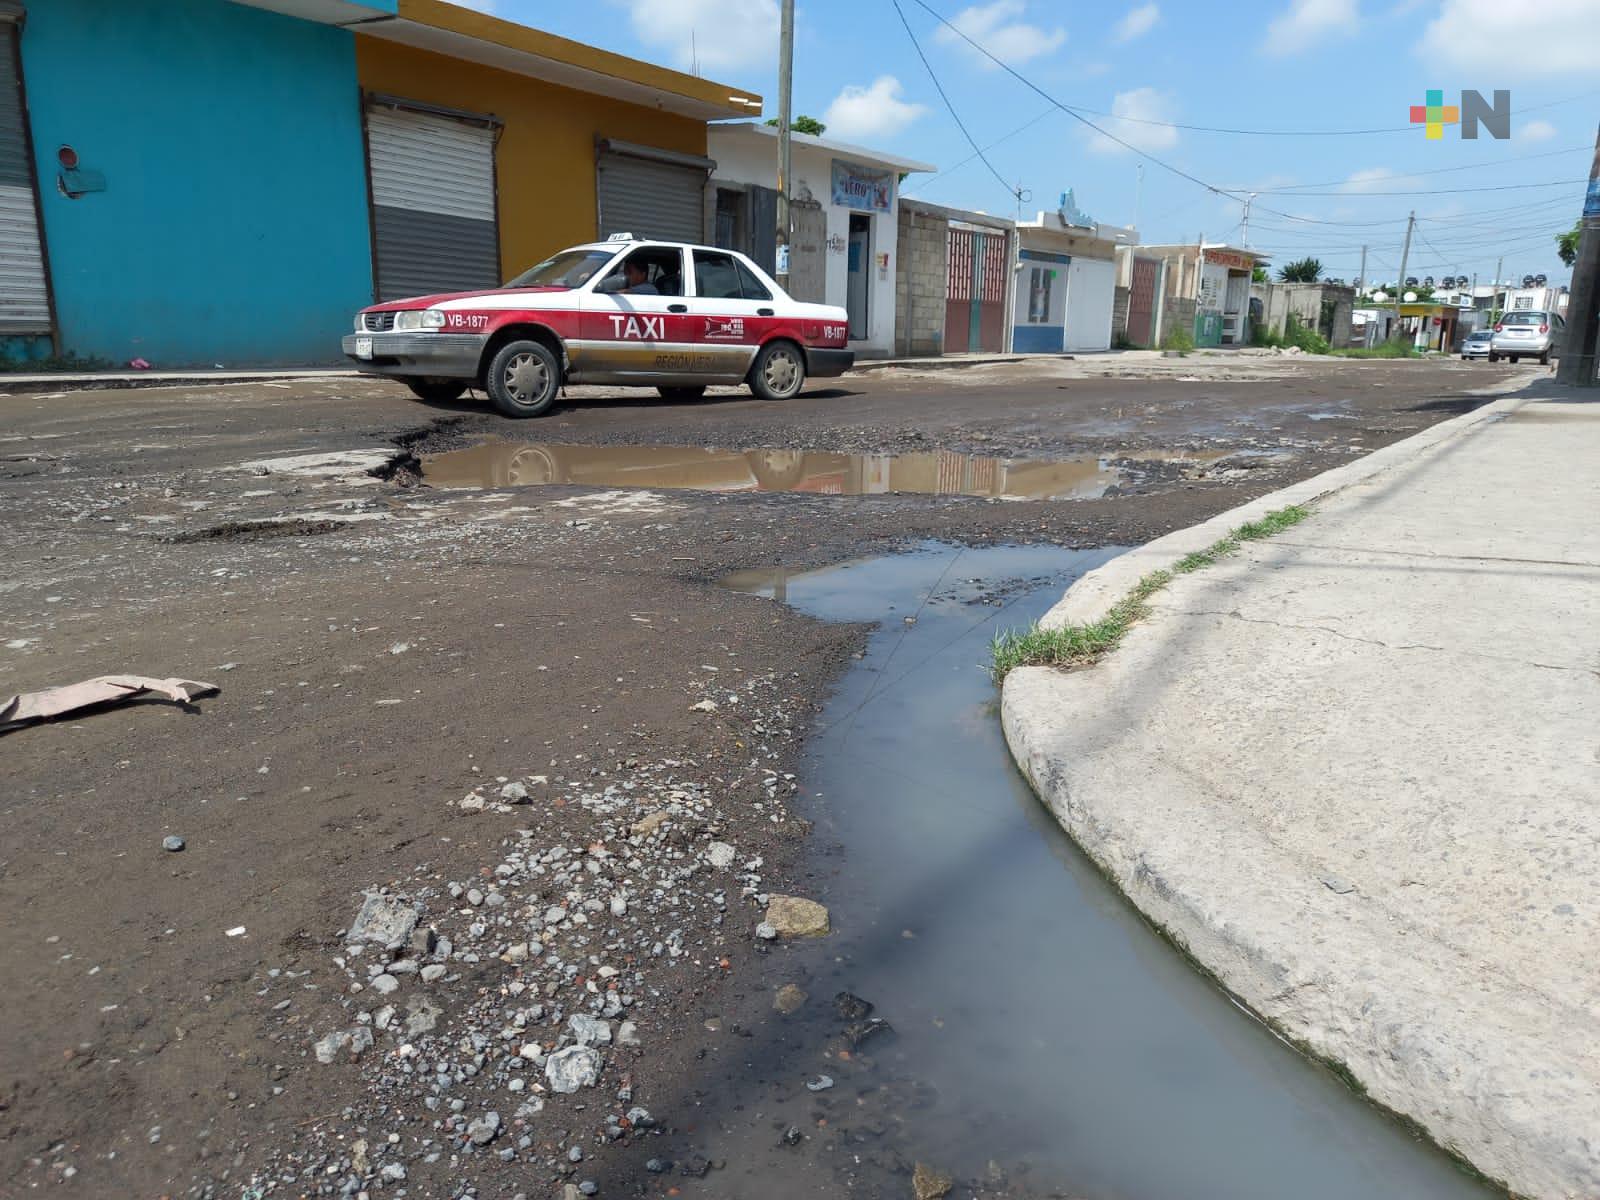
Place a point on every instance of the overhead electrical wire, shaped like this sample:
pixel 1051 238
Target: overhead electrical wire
pixel 954 116
pixel 1290 188
pixel 1236 194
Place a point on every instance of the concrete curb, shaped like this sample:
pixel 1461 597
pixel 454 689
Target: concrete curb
pixel 24 384
pixel 1091 597
pixel 1463 1078
pixel 949 364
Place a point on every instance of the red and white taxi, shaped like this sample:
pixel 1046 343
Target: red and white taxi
pixel 654 314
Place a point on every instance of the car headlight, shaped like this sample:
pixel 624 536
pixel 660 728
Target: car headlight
pixel 419 318
pixel 361 322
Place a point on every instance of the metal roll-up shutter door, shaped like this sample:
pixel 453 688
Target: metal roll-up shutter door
pixel 24 293
pixel 657 195
pixel 433 204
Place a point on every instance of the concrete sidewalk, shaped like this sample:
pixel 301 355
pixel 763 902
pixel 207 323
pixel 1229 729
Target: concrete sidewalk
pixel 1354 771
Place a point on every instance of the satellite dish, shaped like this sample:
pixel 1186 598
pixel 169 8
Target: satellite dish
pixel 1411 297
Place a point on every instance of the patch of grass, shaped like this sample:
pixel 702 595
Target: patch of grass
pixel 1080 645
pixel 1382 350
pixel 1179 339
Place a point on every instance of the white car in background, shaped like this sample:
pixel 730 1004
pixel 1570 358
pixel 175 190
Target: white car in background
pixel 1528 333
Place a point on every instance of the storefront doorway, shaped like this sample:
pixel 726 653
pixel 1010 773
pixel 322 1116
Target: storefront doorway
pixel 858 272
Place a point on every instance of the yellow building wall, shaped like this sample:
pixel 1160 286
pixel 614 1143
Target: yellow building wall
pixel 545 158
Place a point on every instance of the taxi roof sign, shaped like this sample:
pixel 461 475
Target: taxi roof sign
pixel 621 237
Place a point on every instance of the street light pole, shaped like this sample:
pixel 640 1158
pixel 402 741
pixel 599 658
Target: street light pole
pixel 785 104
pixel 1577 364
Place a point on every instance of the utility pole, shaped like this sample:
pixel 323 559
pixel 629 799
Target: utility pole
pixel 785 102
pixel 1400 287
pixel 1495 310
pixel 1244 234
pixel 1138 192
pixel 1361 279
pixel 1577 364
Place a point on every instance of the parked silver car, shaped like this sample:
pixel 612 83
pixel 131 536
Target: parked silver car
pixel 1527 332
pixel 1476 344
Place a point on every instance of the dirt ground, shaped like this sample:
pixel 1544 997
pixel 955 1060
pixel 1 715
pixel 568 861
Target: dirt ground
pixel 396 662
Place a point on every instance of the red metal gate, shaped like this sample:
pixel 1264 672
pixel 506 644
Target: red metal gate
pixel 1142 302
pixel 975 308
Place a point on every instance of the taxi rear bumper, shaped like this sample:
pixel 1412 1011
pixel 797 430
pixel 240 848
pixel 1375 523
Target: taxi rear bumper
pixel 824 364
pixel 447 355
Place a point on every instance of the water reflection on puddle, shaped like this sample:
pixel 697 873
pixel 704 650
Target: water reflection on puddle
pixel 1039 1024
pixel 699 468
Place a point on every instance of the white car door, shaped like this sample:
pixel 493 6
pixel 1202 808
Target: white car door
pixel 635 337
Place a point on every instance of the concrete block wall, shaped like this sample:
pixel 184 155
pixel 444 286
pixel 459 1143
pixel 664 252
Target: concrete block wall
pixel 920 282
pixel 1176 313
pixel 1119 314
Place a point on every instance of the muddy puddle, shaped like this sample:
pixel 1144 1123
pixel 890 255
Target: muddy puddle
pixel 1043 1040
pixel 699 468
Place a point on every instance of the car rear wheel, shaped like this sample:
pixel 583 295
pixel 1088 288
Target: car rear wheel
pixel 1544 359
pixel 524 379
pixel 436 391
pixel 682 395
pixel 779 371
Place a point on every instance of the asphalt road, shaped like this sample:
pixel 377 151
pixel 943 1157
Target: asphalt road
pixel 385 647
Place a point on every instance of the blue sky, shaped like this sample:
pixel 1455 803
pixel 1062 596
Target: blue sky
pixel 1297 65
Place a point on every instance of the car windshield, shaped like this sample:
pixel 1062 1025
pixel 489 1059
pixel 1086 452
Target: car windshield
pixel 1524 318
pixel 569 269
pixel 1483 335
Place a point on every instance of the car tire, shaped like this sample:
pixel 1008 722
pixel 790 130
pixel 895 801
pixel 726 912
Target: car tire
pixel 437 391
pixel 1513 357
pixel 524 379
pixel 1544 359
pixel 779 371
pixel 1493 357
pixel 682 395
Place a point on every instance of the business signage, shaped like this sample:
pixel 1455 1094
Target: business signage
pixel 855 186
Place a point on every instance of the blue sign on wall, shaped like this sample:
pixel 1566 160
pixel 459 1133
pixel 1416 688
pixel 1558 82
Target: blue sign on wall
pixel 866 188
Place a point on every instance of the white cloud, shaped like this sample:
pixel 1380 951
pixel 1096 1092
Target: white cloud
pixel 863 113
pixel 1130 109
pixel 1502 40
pixel 715 34
pixel 1137 23
pixel 1370 179
pixel 1536 131
pixel 1308 22
pixel 997 27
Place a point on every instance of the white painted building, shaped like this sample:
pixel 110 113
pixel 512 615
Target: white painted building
pixel 1066 282
pixel 845 215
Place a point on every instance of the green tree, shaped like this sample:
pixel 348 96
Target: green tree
pixel 1303 270
pixel 803 124
pixel 1258 275
pixel 1567 243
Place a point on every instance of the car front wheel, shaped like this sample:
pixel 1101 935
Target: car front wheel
pixel 779 371
pixel 1493 357
pixel 524 379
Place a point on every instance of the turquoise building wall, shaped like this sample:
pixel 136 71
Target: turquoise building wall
pixel 233 226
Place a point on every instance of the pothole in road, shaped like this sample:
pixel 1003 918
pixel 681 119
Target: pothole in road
pixel 706 469
pixel 256 531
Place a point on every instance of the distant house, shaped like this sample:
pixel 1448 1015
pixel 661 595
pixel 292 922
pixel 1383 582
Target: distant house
pixel 844 212
pixel 1066 282
pixel 1206 291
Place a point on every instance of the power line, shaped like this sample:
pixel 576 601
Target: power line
pixel 1295 187
pixel 1503 187
pixel 1035 88
pixel 920 184
pixel 954 116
